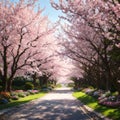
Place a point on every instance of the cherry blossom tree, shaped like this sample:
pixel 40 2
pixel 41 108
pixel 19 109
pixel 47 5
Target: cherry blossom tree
pixel 92 32
pixel 23 32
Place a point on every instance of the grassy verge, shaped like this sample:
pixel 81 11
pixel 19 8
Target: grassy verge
pixel 22 100
pixel 93 103
pixel 58 86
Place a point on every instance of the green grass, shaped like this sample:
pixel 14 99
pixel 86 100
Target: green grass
pixel 22 100
pixel 58 86
pixel 93 103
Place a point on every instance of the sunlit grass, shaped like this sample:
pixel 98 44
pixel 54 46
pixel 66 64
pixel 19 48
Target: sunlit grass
pixel 58 86
pixel 93 103
pixel 22 100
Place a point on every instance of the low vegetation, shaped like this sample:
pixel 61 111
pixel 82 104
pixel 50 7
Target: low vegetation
pixel 92 102
pixel 58 86
pixel 24 90
pixel 21 100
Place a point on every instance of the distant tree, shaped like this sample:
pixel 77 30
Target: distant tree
pixel 92 34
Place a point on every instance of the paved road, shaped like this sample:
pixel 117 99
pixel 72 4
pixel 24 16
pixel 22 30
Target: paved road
pixel 57 105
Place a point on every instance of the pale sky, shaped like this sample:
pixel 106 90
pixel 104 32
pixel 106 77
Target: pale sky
pixel 51 12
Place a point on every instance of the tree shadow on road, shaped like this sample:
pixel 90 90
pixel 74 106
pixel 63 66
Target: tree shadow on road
pixel 49 110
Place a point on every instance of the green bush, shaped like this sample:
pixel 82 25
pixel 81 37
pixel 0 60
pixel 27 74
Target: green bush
pixel 15 97
pixel 19 81
pixel 108 93
pixel 29 86
pixel 5 95
pixel 26 93
pixel 70 85
pixel 3 101
pixel 1 88
pixel 58 85
pixel 115 93
pixel 18 87
pixel 21 95
pixel 0 82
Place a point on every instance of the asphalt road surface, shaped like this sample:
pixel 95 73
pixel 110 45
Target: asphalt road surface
pixel 56 105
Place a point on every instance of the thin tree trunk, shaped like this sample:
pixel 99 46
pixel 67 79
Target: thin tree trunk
pixel 5 69
pixel 9 87
pixel 34 79
pixel 9 82
pixel 4 84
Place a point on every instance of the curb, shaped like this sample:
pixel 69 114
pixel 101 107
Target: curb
pixel 93 114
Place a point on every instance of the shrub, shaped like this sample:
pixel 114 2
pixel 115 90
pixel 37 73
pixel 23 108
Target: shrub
pixel 18 87
pixel 29 86
pixel 101 100
pixel 112 98
pixel 19 81
pixel 5 95
pixel 115 93
pixel 111 104
pixel 33 91
pixel 96 94
pixel 3 101
pixel 21 94
pixel 91 87
pixel 27 93
pixel 0 82
pixel 14 93
pixel 58 85
pixel 102 97
pixel 45 89
pixel 1 88
pixel 44 86
pixel 107 94
pixel 70 84
pixel 15 97
pixel 52 86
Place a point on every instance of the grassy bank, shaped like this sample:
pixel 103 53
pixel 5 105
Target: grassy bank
pixel 22 100
pixel 93 103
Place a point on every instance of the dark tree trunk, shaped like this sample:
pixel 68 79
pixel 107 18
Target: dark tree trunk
pixel 9 82
pixel 41 81
pixel 108 79
pixel 9 87
pixel 4 84
pixel 5 69
pixel 34 79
